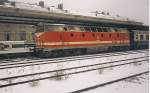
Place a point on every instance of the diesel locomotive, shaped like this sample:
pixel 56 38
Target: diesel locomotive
pixel 56 39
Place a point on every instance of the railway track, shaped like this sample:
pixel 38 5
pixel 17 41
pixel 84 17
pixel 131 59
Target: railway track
pixel 109 82
pixel 21 79
pixel 12 64
pixel 45 65
pixel 62 58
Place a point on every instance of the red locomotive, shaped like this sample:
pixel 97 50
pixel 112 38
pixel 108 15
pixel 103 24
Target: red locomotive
pixel 53 39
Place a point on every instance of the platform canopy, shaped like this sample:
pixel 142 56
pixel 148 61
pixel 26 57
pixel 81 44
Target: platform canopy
pixel 24 16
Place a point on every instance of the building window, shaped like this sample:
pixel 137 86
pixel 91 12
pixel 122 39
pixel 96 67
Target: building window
pixel 7 36
pixel 22 35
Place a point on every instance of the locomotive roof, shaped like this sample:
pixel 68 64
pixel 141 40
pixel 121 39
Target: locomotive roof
pixel 10 11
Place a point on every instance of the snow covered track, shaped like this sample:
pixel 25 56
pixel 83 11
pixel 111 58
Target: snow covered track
pixel 30 62
pixel 25 73
pixel 109 82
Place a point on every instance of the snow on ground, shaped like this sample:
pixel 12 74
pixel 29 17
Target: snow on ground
pixel 66 64
pixel 138 85
pixel 83 80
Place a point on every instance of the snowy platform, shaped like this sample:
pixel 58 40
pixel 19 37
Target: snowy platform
pixel 15 53
pixel 14 50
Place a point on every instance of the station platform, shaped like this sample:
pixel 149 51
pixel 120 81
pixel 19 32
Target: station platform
pixel 15 52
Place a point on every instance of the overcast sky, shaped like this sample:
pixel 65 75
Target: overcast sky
pixel 133 9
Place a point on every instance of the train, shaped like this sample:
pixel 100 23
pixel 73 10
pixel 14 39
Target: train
pixel 53 34
pixel 62 39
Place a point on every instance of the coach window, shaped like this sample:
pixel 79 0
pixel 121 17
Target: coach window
pixel 22 35
pixel 147 37
pixel 7 36
pixel 136 37
pixel 141 37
